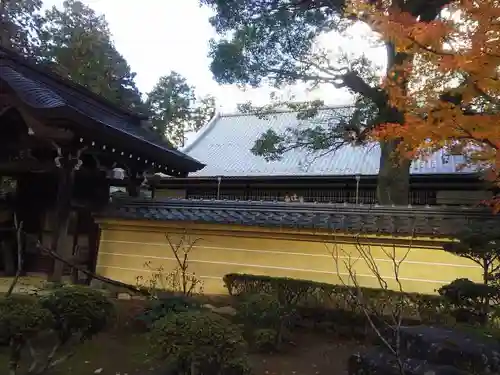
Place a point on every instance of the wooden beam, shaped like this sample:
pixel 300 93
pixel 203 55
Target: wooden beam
pixel 25 166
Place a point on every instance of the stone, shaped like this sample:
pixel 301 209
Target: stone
pixel 464 350
pixel 97 284
pixel 377 361
pixel 124 296
pixel 209 307
pixel 225 310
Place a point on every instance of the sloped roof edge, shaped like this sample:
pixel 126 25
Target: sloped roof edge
pixel 16 58
pixel 205 129
pixel 42 89
pixel 224 145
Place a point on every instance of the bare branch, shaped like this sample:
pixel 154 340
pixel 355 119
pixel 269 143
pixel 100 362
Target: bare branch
pixel 52 254
pixel 188 282
pixel 397 309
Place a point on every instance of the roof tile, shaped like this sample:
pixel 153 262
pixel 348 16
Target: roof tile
pixel 43 91
pixel 224 146
pixel 350 218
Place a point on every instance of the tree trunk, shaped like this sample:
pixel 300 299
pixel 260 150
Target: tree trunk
pixel 393 185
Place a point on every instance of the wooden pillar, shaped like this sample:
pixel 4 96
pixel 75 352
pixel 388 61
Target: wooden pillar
pixel 66 174
pixel 76 253
pixel 134 184
pixel 67 165
pixel 94 239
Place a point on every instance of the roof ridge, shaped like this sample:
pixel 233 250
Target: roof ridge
pixel 205 129
pixel 348 208
pixel 396 221
pixel 279 111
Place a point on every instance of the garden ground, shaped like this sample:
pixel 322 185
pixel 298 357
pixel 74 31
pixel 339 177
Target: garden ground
pixel 123 353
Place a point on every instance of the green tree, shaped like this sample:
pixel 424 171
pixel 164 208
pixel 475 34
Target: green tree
pixel 203 111
pixel 20 23
pixel 175 109
pixel 476 299
pixel 77 43
pixel 274 41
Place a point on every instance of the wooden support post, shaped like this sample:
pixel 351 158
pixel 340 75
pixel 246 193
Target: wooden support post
pixel 133 187
pixel 77 256
pixel 66 174
pixel 67 165
pixel 94 239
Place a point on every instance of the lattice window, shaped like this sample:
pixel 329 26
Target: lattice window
pixel 416 197
pixel 202 194
pixel 265 195
pixel 231 194
pixel 212 194
pixel 422 197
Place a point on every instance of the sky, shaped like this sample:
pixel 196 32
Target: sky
pixel 158 36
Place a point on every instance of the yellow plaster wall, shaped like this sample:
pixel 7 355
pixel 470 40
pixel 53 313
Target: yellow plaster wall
pixel 126 246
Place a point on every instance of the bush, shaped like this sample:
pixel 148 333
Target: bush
pixel 308 298
pixel 127 314
pixel 237 366
pixel 21 319
pixel 261 310
pixel 264 339
pixel 470 300
pixel 288 291
pixel 265 311
pixel 78 311
pixel 205 340
pixel 166 304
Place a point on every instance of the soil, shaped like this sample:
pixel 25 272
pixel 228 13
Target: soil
pixel 124 354
pixel 314 355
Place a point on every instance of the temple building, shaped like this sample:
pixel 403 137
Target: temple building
pixel 348 174
pixel 60 146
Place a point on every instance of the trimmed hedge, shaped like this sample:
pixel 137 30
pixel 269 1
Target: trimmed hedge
pixel 199 340
pixel 309 297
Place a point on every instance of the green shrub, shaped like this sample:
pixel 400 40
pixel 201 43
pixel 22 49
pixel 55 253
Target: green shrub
pixel 266 312
pixel 261 310
pixel 264 339
pixel 205 340
pixel 309 296
pixel 166 304
pixel 22 318
pixel 288 291
pixel 237 366
pixel 78 311
pixel 470 301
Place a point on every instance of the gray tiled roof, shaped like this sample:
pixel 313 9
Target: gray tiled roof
pixel 350 218
pixel 50 94
pixel 224 146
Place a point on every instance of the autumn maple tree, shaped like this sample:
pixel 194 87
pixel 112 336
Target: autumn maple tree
pixel 452 93
pixel 276 42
